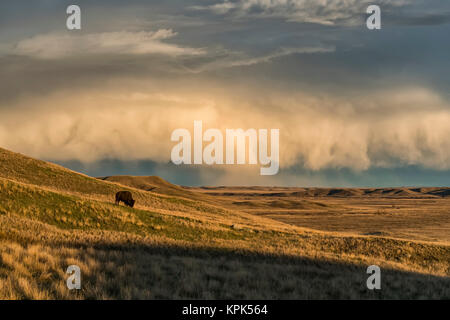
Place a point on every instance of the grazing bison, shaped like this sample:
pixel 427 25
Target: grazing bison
pixel 125 197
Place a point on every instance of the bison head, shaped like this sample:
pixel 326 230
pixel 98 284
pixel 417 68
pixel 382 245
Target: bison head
pixel 131 203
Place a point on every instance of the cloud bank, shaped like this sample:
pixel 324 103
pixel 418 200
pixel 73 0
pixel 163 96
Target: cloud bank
pixel 402 126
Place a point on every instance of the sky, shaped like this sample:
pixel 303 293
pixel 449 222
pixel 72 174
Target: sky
pixel 355 107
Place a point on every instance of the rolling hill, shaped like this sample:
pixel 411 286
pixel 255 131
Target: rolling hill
pixel 154 184
pixel 179 243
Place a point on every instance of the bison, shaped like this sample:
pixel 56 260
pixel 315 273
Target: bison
pixel 125 197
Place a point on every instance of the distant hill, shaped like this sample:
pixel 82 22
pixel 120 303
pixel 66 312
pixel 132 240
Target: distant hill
pixel 403 192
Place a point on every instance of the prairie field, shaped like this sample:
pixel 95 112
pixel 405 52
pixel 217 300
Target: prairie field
pixel 215 242
pixel 407 213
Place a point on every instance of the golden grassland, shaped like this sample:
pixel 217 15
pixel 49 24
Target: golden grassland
pixel 406 213
pixel 175 245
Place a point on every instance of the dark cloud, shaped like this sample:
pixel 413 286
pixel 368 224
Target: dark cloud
pixel 431 19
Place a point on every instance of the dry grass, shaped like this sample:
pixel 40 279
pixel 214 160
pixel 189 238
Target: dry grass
pixel 173 247
pixel 151 273
pixel 385 212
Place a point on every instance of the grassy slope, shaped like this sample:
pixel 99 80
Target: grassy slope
pixel 171 247
pixel 48 176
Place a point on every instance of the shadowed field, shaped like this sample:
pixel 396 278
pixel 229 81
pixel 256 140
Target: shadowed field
pixel 195 243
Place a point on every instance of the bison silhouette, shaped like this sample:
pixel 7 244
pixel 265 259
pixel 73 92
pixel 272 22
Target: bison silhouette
pixel 125 197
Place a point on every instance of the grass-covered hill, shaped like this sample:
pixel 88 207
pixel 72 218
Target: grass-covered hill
pixel 174 245
pixel 154 184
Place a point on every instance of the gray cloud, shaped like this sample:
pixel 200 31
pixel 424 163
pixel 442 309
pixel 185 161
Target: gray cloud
pixel 333 12
pixel 223 59
pixel 427 19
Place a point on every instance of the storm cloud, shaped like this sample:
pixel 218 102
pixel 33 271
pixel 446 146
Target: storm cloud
pixel 343 97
